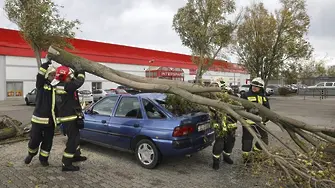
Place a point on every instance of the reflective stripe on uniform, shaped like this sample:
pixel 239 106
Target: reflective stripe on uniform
pixel 256 149
pixel 228 154
pixel 33 151
pixel 42 71
pixel 46 87
pixel 81 75
pixel 60 90
pixel 53 106
pixel 68 155
pixel 78 147
pixel 66 119
pixel 216 156
pixel 44 153
pixel 260 100
pixel 231 125
pixel 252 99
pixel 40 120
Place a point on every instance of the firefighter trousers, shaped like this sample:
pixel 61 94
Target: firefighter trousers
pixel 224 144
pixel 41 137
pixel 247 138
pixel 73 140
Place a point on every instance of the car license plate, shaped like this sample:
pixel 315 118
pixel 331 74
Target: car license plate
pixel 204 127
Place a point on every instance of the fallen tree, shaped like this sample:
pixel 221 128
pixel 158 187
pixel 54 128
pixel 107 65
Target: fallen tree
pixel 309 166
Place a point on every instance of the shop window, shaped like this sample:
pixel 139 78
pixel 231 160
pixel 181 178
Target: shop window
pixel 14 89
pixel 96 85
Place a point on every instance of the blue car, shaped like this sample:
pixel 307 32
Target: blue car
pixel 141 125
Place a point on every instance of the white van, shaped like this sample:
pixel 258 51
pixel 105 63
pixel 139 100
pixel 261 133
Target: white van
pixel 323 85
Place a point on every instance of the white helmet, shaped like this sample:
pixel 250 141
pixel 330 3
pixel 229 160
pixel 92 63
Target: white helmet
pixel 258 82
pixel 50 70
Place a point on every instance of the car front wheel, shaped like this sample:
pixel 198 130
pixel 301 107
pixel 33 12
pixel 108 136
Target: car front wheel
pixel 147 154
pixel 27 101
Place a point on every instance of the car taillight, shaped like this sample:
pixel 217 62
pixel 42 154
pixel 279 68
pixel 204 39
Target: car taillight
pixel 182 130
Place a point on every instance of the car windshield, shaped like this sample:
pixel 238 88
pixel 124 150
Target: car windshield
pixel 85 92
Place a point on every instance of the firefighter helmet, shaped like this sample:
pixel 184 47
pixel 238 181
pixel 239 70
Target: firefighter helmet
pixel 62 73
pixel 50 70
pixel 258 82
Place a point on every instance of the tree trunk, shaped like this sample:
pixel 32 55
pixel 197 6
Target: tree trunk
pixel 311 134
pixel 37 53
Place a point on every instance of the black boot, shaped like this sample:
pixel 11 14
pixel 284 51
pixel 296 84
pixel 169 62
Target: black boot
pixel 28 159
pixel 216 163
pixel 79 158
pixel 67 168
pixel 227 159
pixel 44 163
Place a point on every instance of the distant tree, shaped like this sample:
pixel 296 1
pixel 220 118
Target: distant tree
pixel 291 73
pixel 40 24
pixel 202 26
pixel 313 68
pixel 265 41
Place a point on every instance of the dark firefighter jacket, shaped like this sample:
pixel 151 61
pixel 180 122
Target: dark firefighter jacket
pixel 258 97
pixel 68 105
pixel 45 98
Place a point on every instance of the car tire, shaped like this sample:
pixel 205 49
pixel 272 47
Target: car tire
pixel 242 92
pixel 27 101
pixel 145 148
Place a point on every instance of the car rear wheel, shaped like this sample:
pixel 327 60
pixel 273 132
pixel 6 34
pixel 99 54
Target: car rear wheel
pixel 147 154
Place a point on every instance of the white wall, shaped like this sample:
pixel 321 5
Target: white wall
pixel 3 93
pixel 25 69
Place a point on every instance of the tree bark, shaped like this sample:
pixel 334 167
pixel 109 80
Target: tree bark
pixel 37 53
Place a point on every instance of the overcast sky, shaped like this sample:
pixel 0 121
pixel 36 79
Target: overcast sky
pixel 147 23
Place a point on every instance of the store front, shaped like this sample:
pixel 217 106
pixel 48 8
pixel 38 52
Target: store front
pixel 165 73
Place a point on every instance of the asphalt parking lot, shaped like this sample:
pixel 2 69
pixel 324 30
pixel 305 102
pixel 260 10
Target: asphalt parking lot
pixel 110 168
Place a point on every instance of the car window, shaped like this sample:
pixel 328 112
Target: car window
pixel 97 92
pixel 33 92
pixel 84 92
pixel 105 106
pixel 129 107
pixel 329 84
pixel 320 84
pixel 151 111
pixel 245 86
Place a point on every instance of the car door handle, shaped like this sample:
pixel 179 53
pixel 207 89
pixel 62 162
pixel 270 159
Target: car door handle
pixel 136 125
pixel 103 121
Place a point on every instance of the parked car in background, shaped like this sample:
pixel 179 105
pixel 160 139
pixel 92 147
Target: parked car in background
pixel 244 88
pixel 101 93
pixel 274 88
pixel 323 85
pixel 143 126
pixel 31 97
pixel 235 88
pixel 85 96
pixel 129 89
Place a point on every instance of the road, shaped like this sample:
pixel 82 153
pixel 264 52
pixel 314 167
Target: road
pixel 110 168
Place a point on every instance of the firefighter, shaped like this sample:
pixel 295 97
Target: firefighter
pixel 70 112
pixel 255 94
pixel 225 128
pixel 44 117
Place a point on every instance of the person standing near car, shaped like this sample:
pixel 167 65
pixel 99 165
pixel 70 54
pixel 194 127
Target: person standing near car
pixel 255 94
pixel 44 116
pixel 225 129
pixel 70 112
